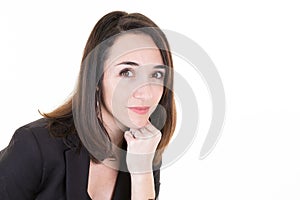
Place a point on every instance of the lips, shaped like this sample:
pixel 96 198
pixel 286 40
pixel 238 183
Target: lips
pixel 140 109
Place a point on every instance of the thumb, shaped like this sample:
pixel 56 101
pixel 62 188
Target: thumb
pixel 128 137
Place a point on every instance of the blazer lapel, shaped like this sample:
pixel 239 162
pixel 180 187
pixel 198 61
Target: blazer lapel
pixel 77 173
pixel 77 170
pixel 123 183
pixel 123 186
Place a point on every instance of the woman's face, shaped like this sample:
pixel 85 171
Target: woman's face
pixel 133 80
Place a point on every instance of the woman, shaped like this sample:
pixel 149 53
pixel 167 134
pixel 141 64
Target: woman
pixel 106 141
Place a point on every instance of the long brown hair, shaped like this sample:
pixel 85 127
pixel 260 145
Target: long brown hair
pixel 61 120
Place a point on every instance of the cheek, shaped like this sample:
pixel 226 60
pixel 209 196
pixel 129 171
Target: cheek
pixel 109 87
pixel 107 95
pixel 116 95
pixel 157 93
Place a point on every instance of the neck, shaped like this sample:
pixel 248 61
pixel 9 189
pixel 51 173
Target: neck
pixel 113 127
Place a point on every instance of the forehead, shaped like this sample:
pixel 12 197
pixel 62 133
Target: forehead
pixel 139 48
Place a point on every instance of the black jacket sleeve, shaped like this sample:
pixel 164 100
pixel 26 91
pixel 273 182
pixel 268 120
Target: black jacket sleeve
pixel 20 167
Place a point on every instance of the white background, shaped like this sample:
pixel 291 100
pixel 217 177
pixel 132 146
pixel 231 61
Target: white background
pixel 255 46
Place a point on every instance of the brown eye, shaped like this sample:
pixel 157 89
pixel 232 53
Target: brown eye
pixel 158 75
pixel 126 73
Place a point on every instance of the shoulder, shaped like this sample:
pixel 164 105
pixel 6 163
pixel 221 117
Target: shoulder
pixel 37 135
pixel 32 158
pixel 33 143
pixel 33 139
pixel 28 133
pixel 22 144
pixel 39 130
pixel 32 130
pixel 21 165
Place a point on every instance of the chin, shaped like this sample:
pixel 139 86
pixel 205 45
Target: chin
pixel 138 123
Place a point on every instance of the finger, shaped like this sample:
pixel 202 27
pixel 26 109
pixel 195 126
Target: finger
pixel 137 133
pixel 143 131
pixel 150 126
pixel 144 134
pixel 128 137
pixel 152 129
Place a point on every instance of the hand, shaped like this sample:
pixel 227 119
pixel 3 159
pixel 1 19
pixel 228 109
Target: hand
pixel 141 147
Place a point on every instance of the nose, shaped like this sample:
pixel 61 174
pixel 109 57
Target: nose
pixel 143 92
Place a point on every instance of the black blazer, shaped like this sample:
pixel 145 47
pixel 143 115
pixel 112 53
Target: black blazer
pixel 37 166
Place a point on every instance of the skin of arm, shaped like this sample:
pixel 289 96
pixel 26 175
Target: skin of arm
pixel 142 186
pixel 141 148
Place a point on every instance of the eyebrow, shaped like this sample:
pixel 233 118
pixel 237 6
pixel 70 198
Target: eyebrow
pixel 128 63
pixel 136 64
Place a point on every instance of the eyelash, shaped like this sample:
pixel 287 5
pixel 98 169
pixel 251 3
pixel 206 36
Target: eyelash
pixel 123 71
pixel 161 74
pixel 126 70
